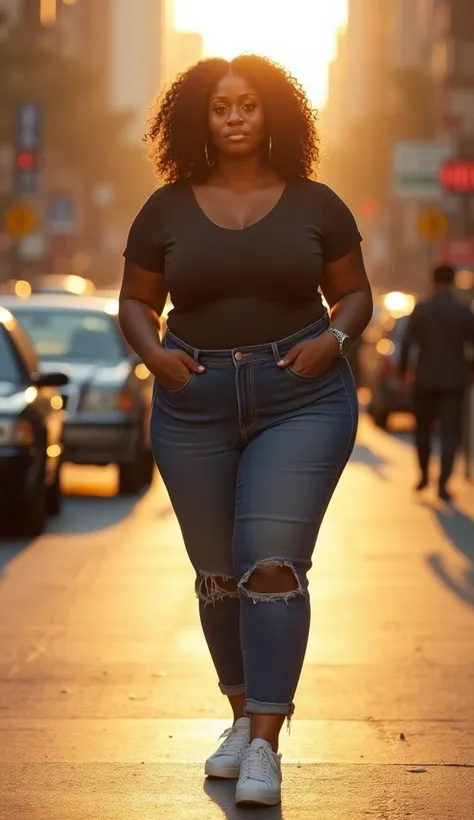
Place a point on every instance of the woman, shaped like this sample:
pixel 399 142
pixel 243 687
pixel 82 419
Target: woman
pixel 255 409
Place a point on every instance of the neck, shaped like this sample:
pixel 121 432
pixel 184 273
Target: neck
pixel 439 287
pixel 242 172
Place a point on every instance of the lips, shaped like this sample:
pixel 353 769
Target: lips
pixel 236 136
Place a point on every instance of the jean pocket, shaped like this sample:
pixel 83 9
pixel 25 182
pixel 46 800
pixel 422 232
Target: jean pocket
pixel 303 377
pixel 178 390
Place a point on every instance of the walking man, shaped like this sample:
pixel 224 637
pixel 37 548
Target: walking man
pixel 441 331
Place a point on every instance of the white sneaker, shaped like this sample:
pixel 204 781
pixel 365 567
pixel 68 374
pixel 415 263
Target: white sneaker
pixel 260 776
pixel 225 762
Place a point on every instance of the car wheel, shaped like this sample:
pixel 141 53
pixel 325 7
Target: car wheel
pixel 30 516
pixel 54 496
pixel 380 418
pixel 148 467
pixel 131 475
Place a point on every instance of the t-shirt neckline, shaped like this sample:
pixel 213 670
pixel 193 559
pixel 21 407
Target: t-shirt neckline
pixel 263 218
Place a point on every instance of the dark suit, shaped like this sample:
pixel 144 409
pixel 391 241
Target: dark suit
pixel 441 329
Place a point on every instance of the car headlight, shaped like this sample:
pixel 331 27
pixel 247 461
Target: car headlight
pixel 105 400
pixel 16 433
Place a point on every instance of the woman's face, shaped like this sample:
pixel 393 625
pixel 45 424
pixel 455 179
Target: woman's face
pixel 236 118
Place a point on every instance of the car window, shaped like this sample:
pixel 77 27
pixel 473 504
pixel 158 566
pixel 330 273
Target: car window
pixel 25 348
pixel 10 370
pixel 73 336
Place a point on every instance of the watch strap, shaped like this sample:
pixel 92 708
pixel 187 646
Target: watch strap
pixel 341 338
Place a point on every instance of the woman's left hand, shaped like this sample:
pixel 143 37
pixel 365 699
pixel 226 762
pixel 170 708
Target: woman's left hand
pixel 313 356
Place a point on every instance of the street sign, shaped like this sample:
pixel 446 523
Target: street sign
pixel 459 250
pixel 20 220
pixel 61 215
pixel 457 175
pixel 33 247
pixel 432 224
pixel 416 167
pixel 103 194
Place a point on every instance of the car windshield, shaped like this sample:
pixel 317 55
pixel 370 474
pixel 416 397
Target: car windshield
pixel 73 336
pixel 9 370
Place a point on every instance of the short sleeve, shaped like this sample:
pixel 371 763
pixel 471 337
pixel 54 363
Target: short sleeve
pixel 145 244
pixel 340 232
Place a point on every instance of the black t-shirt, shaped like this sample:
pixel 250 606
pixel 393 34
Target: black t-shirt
pixel 232 288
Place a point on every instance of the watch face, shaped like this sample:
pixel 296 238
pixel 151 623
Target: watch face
pixel 345 345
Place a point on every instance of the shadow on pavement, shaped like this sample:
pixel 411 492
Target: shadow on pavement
pixel 222 793
pixel 364 455
pixel 80 514
pixel 459 529
pixel 90 513
pixel 9 549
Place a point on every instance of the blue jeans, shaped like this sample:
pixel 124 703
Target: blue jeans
pixel 250 455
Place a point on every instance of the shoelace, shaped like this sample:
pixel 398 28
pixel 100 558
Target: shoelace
pixel 232 739
pixel 257 764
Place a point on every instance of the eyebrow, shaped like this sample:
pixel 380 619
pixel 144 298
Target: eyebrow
pixel 240 96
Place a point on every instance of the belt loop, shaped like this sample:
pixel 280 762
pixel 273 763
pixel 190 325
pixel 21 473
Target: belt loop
pixel 276 354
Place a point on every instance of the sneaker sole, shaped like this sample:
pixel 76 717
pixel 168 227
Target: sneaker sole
pixel 223 772
pixel 249 799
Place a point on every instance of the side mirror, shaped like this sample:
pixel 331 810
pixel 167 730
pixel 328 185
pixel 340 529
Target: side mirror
pixel 51 380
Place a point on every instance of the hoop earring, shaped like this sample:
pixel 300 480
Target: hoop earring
pixel 270 146
pixel 206 152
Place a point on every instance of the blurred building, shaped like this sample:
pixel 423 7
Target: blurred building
pixel 179 48
pixel 133 46
pixel 133 49
pixel 429 41
pixel 380 35
pixel 450 41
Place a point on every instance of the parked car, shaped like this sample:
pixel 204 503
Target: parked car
pixel 389 394
pixel 57 283
pixel 110 391
pixel 31 434
pixel 50 283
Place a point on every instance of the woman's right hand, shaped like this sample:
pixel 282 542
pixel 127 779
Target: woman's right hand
pixel 172 368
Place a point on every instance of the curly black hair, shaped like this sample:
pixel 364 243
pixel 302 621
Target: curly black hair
pixel 178 128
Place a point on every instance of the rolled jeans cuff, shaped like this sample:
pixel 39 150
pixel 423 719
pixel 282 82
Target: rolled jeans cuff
pixel 257 707
pixel 232 690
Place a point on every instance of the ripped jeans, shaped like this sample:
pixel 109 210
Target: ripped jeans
pixel 250 455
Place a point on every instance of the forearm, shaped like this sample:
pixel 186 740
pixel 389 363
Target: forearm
pixel 141 327
pixel 353 313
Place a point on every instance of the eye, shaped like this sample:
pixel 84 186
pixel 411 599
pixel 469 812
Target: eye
pixel 249 106
pixel 219 110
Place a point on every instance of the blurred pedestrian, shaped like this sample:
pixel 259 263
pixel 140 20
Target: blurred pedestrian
pixel 439 332
pixel 255 410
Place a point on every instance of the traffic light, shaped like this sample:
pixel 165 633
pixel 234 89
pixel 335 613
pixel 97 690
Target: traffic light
pixel 27 161
pixel 29 143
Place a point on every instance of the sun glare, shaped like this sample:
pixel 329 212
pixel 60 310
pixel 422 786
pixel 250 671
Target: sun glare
pixel 299 34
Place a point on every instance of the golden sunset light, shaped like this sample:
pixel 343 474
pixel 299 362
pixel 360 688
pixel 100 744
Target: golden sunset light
pixel 300 35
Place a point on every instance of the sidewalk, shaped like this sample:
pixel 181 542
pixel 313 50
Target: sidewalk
pixel 108 702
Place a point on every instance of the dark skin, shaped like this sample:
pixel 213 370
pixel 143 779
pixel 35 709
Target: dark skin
pixel 241 189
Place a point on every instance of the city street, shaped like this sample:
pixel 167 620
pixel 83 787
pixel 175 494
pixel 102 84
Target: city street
pixel 109 703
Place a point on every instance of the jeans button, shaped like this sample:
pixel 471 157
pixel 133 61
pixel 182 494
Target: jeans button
pixel 239 356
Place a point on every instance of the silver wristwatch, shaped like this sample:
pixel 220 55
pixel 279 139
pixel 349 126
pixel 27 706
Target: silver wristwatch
pixel 343 340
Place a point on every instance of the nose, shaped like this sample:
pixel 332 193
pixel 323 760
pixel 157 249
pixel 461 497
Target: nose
pixel 235 116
